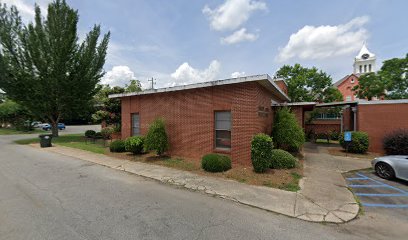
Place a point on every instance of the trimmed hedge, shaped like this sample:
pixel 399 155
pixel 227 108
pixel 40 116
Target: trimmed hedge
pixel 90 133
pixel 396 142
pixel 359 142
pixel 134 144
pixel 282 159
pixel 261 151
pixel 287 133
pixel 117 146
pixel 156 138
pixel 215 163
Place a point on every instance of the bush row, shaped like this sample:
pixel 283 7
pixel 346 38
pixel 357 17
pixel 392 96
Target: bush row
pixel 263 155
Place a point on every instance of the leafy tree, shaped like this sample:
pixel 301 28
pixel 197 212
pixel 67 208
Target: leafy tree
pixel 307 84
pixel 134 86
pixel 44 67
pixel 395 74
pixel 287 133
pixel 332 94
pixel 156 138
pixel 391 81
pixel 15 114
pixel 370 85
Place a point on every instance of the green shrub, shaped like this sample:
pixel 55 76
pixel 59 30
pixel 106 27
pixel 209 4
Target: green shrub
pixel 134 144
pixel 215 163
pixel 282 159
pixel 261 150
pixel 287 133
pixel 117 146
pixel 98 135
pixel 156 138
pixel 396 142
pixel 90 133
pixel 107 132
pixel 334 135
pixel 359 142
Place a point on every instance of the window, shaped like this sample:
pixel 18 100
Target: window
pixel 361 68
pixel 352 80
pixel 135 124
pixel 365 68
pixel 323 116
pixel 223 130
pixel 369 67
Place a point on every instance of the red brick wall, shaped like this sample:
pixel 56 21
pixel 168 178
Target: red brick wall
pixel 379 119
pixel 323 126
pixel 346 87
pixel 189 116
pixel 282 85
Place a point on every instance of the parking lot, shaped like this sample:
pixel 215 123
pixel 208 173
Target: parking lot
pixel 379 195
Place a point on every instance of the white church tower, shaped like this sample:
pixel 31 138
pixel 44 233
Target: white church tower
pixel 364 62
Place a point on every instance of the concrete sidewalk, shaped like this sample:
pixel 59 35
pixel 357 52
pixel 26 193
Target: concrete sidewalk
pixel 324 196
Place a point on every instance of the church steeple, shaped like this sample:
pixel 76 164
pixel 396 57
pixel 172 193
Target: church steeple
pixel 364 62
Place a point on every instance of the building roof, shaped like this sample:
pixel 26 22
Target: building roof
pixel 265 80
pixel 336 84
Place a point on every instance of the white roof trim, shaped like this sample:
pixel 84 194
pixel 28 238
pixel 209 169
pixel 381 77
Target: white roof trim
pixel 262 77
pixel 294 104
pixel 398 101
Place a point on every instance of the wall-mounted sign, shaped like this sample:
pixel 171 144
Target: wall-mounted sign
pixel 347 136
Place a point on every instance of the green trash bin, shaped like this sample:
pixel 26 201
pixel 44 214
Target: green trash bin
pixel 45 140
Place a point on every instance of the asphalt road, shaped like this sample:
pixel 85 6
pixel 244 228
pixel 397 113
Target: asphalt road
pixel 50 196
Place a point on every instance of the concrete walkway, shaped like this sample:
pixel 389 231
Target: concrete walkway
pixel 324 196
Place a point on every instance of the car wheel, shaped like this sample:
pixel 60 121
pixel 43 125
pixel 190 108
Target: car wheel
pixel 384 170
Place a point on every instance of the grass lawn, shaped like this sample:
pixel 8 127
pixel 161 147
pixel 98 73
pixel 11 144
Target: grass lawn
pixel 285 179
pixel 12 131
pixel 73 141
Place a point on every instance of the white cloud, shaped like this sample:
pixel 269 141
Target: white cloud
pixel 237 74
pixel 239 36
pixel 185 74
pixel 118 76
pixel 26 8
pixel 232 13
pixel 322 42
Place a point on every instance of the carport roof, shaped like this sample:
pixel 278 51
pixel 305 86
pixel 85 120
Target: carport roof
pixel 264 79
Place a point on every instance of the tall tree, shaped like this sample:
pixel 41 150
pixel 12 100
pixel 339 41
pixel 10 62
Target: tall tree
pixel 133 86
pixel 308 84
pixel 44 67
pixel 370 85
pixel 395 74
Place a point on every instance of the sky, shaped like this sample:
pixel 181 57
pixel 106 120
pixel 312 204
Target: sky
pixel 180 42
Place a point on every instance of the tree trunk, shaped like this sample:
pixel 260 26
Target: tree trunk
pixel 54 128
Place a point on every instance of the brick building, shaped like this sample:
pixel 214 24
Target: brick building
pixel 364 62
pixel 212 117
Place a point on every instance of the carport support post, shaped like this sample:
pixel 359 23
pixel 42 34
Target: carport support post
pixel 354 109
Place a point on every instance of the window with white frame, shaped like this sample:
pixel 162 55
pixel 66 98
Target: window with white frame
pixel 223 129
pixel 135 124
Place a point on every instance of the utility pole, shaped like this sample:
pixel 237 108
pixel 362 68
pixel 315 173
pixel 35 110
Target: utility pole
pixel 153 82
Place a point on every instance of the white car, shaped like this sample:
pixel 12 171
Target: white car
pixel 393 166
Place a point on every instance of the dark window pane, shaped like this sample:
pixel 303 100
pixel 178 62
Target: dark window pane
pixel 223 139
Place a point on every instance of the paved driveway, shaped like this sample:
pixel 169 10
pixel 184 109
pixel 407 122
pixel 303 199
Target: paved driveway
pixel 377 222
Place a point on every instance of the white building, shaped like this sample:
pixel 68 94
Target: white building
pixel 364 62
